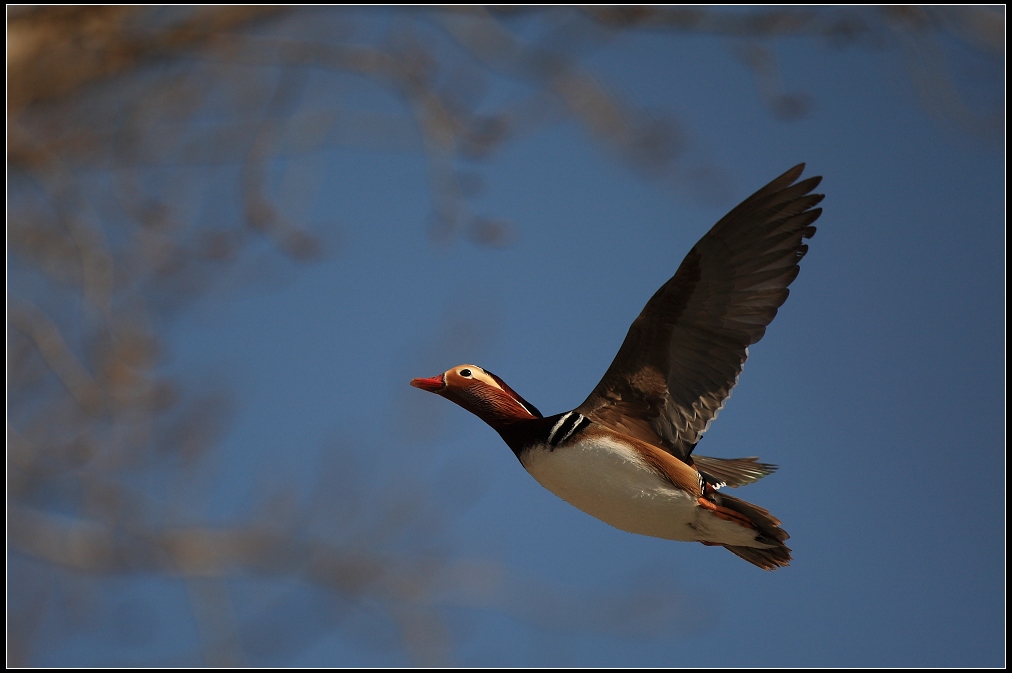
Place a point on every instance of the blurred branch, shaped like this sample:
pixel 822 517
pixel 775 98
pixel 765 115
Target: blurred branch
pixel 52 52
pixel 152 150
pixel 921 34
pixel 46 337
pixel 934 74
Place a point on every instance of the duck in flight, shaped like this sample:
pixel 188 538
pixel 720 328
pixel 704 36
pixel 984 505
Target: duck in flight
pixel 625 456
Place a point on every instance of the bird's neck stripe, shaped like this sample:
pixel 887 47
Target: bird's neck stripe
pixel 580 422
pixel 566 427
pixel 558 424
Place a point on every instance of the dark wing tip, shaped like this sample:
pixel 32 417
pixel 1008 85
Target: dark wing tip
pixel 792 174
pixel 794 171
pixel 812 183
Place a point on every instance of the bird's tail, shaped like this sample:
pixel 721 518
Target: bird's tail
pixel 777 555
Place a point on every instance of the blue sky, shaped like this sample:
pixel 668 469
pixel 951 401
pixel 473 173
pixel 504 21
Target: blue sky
pixel 878 389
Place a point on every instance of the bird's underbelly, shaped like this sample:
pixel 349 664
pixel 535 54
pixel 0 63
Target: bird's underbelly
pixel 610 481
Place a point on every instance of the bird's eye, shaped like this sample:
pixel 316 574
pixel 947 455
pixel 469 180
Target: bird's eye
pixel 466 373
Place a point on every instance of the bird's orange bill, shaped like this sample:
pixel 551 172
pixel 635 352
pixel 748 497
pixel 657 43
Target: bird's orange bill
pixel 433 385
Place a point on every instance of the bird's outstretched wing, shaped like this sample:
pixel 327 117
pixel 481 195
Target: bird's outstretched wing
pixel 683 354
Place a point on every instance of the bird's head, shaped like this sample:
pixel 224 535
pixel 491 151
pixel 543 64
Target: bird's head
pixel 482 393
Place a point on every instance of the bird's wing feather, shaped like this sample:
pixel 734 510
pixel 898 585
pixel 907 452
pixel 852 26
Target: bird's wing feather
pixel 685 351
pixel 733 472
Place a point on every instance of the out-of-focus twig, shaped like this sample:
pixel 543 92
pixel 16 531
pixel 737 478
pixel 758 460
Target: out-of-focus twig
pixel 152 152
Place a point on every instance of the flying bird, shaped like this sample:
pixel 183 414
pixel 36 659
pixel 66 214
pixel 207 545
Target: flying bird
pixel 625 456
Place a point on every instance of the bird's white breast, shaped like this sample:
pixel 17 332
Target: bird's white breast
pixel 610 481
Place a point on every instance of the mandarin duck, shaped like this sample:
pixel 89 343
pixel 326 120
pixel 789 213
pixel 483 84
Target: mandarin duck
pixel 625 456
